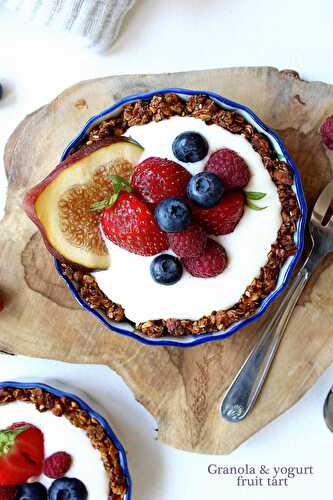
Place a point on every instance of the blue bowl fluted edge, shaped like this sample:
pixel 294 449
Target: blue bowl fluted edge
pixel 288 267
pixel 92 413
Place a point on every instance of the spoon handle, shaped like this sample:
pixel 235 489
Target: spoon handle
pixel 246 387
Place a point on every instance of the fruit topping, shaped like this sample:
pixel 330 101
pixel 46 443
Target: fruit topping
pixel 188 243
pixel 68 488
pixel 57 464
pixel 2 305
pixel 190 147
pixel 166 269
pixel 31 491
pixel 209 264
pixel 230 167
pixel 130 224
pixel 156 179
pixel 326 132
pixel 173 215
pixel 7 492
pixel 60 204
pixel 224 217
pixel 21 454
pixel 1 91
pixel 205 189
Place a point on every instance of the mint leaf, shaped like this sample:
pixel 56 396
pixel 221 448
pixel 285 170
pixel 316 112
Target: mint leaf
pixel 119 184
pixel 280 156
pixel 254 195
pixel 252 205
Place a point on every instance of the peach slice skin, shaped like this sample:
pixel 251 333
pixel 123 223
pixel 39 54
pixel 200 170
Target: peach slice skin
pixel 41 202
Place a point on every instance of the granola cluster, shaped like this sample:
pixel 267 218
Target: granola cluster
pixel 161 107
pixel 62 406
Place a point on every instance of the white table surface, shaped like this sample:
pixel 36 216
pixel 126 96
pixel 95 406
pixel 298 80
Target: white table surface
pixel 36 64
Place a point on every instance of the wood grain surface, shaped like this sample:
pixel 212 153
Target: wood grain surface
pixel 181 388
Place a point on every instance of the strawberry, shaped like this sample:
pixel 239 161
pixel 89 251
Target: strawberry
pixel 156 179
pixel 7 492
pixel 209 264
pixel 21 454
pixel 57 465
pixel 229 167
pixel 129 223
pixel 188 243
pixel 223 217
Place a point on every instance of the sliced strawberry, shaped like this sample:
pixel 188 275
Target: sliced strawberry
pixel 230 167
pixel 131 225
pixel 210 263
pixel 223 217
pixel 21 454
pixel 188 243
pixel 156 179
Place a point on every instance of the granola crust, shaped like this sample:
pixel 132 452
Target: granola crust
pixel 62 406
pixel 161 107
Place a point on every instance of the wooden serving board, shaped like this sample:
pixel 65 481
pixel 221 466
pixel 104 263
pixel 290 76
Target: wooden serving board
pixel 181 388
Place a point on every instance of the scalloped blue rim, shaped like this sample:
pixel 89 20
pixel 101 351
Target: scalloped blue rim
pixel 299 235
pixel 91 412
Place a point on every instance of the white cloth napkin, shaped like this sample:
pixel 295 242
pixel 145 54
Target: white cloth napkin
pixel 97 21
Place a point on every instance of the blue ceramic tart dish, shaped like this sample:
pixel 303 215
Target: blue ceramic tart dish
pixel 127 328
pixel 85 403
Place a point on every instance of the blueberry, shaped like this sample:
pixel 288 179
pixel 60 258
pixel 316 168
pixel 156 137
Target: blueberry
pixel 190 147
pixel 67 488
pixel 166 269
pixel 32 491
pixel 173 215
pixel 205 189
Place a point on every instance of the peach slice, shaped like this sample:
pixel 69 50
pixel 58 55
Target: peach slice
pixel 60 204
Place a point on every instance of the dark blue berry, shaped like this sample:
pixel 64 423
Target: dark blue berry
pixel 67 488
pixel 173 215
pixel 190 147
pixel 1 91
pixel 32 491
pixel 205 189
pixel 166 269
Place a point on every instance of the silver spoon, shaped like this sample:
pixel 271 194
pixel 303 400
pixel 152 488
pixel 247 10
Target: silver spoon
pixel 328 410
pixel 244 390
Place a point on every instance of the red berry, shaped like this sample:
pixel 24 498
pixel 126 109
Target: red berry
pixel 2 305
pixel 56 465
pixel 130 224
pixel 209 264
pixel 229 167
pixel 16 425
pixel 326 132
pixel 21 454
pixel 156 179
pixel 188 243
pixel 7 492
pixel 223 217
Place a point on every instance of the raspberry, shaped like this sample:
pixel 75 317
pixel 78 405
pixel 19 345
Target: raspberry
pixel 188 243
pixel 156 179
pixel 229 167
pixel 223 217
pixel 56 465
pixel 7 492
pixel 209 264
pixel 326 132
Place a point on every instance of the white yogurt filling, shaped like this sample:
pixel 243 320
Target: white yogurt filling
pixel 61 435
pixel 128 280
